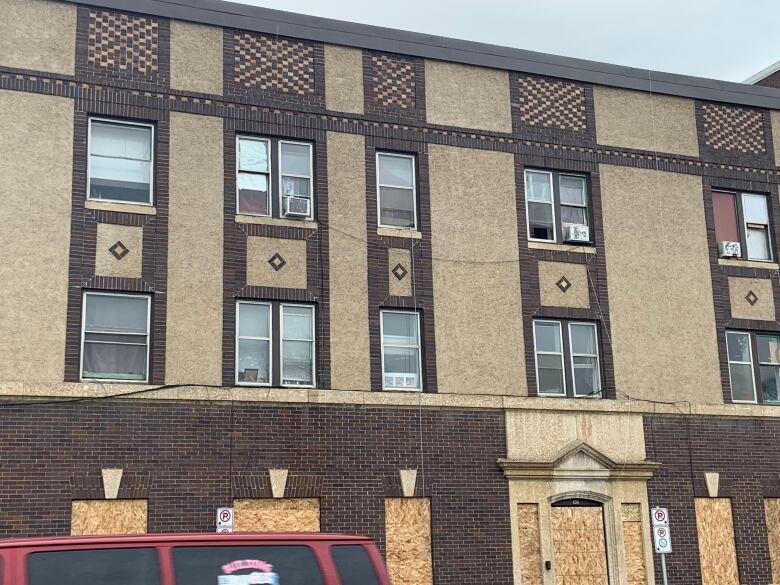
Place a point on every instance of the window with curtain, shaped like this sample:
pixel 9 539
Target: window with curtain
pixel 120 161
pixel 743 218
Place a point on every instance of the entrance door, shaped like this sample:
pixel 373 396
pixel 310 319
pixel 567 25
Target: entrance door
pixel 579 546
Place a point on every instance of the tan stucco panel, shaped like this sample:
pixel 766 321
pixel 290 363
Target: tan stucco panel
pixel 635 119
pixel 399 287
pixel 571 295
pixel 775 116
pixel 479 341
pixel 39 35
pixel 34 265
pixel 127 265
pixel 97 517
pixel 195 242
pixel 344 79
pixel 196 57
pixel 349 340
pixel 763 307
pixel 660 290
pixel 466 96
pixel 291 271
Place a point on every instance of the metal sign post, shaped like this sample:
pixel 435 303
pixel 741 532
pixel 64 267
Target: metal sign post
pixel 662 537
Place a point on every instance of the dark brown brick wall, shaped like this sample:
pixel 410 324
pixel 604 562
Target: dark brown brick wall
pixel 744 452
pixel 189 458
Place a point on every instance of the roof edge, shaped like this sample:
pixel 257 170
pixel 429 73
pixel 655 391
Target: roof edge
pixel 364 36
pixel 763 74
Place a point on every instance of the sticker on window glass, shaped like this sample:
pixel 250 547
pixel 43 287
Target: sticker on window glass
pixel 252 572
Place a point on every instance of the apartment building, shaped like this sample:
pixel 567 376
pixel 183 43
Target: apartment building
pixel 483 305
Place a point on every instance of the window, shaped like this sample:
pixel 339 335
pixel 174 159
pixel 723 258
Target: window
pixel 743 218
pixel 115 337
pixel 258 173
pixel 354 565
pixel 120 566
pixel 396 192
pixel 567 359
pixel 260 344
pixel 556 206
pixel 401 360
pixel 120 162
pixel 745 349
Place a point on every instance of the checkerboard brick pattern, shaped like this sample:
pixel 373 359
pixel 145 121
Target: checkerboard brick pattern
pixel 733 128
pixel 551 103
pixel 393 82
pixel 124 43
pixel 273 65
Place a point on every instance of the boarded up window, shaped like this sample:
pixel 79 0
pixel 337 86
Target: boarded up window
pixel 772 507
pixel 717 553
pixel 529 544
pixel 634 551
pixel 277 515
pixel 408 535
pixel 92 517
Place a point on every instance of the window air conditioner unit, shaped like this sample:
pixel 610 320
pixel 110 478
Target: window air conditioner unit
pixel 400 380
pixel 297 206
pixel 729 249
pixel 576 233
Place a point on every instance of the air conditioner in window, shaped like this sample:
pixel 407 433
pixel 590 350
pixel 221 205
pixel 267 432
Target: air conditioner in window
pixel 729 249
pixel 297 206
pixel 576 233
pixel 400 381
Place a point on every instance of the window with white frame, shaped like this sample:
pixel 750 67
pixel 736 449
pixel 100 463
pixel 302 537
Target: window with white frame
pixel 274 186
pixel 115 337
pixel 754 362
pixel 120 161
pixel 401 353
pixel 396 190
pixel 268 354
pixel 567 358
pixel 743 218
pixel 557 207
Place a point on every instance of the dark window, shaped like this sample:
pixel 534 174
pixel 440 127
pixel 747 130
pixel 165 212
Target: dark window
pixel 231 565
pixel 742 218
pixel 754 362
pixel 354 565
pixel 119 566
pixel 557 207
pixel 567 358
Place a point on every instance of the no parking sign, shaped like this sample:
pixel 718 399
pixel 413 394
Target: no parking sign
pixel 224 520
pixel 661 536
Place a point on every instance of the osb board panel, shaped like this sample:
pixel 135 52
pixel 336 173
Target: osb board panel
pixel 408 534
pixel 579 550
pixel 772 509
pixel 530 546
pixel 717 552
pixel 633 547
pixel 277 515
pixel 91 517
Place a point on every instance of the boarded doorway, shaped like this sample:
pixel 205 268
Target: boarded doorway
pixel 579 544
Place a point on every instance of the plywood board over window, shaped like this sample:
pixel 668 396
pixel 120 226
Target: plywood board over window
pixel 772 508
pixel 277 515
pixel 633 546
pixel 530 544
pixel 717 552
pixel 408 534
pixel 94 517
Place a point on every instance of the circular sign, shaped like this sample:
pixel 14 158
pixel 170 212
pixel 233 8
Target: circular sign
pixel 661 532
pixel 224 516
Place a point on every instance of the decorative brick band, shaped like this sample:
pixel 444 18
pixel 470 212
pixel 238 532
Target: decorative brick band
pixel 394 86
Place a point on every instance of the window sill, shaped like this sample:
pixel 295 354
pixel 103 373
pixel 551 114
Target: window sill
pixel 121 207
pixel 263 220
pixel 582 249
pixel 398 233
pixel 748 263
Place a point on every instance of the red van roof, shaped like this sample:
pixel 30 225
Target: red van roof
pixel 181 538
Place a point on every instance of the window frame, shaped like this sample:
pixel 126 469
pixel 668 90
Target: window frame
pixel 379 185
pixel 742 224
pixel 84 296
pixel 419 348
pixel 556 205
pixel 122 122
pixel 755 365
pixel 270 340
pixel 567 358
pixel 313 342
pixel 275 206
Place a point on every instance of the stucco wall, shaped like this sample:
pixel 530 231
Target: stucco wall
pixel 635 119
pixel 196 57
pixel 479 343
pixel 39 35
pixel 194 331
pixel 344 79
pixel 291 272
pixel 576 295
pixel 399 287
pixel 466 96
pixel 128 265
pixel 34 237
pixel 349 341
pixel 763 309
pixel 660 291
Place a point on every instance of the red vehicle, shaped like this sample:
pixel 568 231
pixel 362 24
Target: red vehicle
pixel 193 559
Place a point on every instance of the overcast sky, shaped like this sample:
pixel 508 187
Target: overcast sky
pixel 722 39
